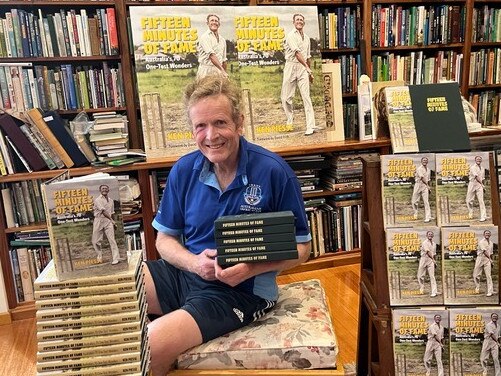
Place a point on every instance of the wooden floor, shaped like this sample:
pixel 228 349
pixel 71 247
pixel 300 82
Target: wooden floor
pixel 18 340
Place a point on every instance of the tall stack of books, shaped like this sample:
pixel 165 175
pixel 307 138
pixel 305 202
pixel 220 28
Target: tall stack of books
pixel 94 325
pixel 109 134
pixel 255 238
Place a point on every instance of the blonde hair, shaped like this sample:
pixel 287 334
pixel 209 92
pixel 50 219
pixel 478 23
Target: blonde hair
pixel 210 86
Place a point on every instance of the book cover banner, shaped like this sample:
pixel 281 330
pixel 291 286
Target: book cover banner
pixel 463 189
pixel 284 106
pixel 421 341
pixel 474 341
pixel 470 265
pixel 408 189
pixel 414 266
pixel 85 227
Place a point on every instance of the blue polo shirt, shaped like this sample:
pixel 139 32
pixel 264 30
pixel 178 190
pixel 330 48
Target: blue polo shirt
pixel 193 200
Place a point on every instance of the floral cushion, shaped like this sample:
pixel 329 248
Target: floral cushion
pixel 297 333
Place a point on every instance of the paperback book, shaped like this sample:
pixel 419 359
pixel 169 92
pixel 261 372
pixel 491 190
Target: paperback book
pixel 414 266
pixel 85 225
pixel 408 189
pixel 474 340
pixel 471 265
pixel 421 341
pixel 463 183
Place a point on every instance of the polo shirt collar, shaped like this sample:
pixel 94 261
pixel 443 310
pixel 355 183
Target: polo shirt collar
pixel 207 175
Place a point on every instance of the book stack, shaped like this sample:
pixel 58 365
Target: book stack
pixel 109 134
pixel 255 238
pixel 94 325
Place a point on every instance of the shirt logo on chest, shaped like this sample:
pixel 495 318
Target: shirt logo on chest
pixel 252 194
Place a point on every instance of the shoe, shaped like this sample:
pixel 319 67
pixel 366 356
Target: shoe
pixel 489 294
pixel 481 220
pixel 427 220
pixel 114 262
pixel 433 295
pixel 308 132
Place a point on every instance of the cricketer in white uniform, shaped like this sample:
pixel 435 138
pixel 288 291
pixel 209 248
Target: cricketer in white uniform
pixel 490 346
pixel 422 190
pixel 104 225
pixel 297 73
pixel 211 48
pixel 476 188
pixel 484 262
pixel 434 346
pixel 427 263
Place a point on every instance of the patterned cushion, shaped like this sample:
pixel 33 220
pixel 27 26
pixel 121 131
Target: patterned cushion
pixel 297 333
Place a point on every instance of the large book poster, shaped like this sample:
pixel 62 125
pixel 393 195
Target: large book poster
pixel 166 44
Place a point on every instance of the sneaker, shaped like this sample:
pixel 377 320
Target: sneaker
pixel 114 262
pixel 481 220
pixel 308 132
pixel 489 294
pixel 433 295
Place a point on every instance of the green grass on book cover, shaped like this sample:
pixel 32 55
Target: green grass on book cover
pixel 254 219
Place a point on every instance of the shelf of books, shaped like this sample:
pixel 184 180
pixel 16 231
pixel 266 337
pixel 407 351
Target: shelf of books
pixel 430 264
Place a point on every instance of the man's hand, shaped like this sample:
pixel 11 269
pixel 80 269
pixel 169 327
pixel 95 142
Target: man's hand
pixel 233 275
pixel 205 264
pixel 310 74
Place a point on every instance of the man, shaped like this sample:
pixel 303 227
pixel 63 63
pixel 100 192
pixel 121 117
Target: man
pixel 297 73
pixel 427 263
pixel 422 190
pixel 104 224
pixel 490 346
pixel 211 48
pixel 197 299
pixel 434 346
pixel 483 262
pixel 476 188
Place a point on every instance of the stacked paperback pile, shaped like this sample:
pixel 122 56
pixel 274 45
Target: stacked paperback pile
pixel 94 325
pixel 109 134
pixel 255 238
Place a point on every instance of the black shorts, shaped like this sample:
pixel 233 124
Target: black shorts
pixel 216 307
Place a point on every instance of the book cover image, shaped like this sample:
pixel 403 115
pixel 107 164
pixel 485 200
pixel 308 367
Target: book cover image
pixel 463 189
pixel 401 119
pixel 470 265
pixel 414 266
pixel 169 54
pixel 474 341
pixel 408 189
pixel 85 226
pixel 421 341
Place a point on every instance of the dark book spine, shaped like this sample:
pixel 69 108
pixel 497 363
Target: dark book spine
pixel 253 240
pixel 265 247
pixel 258 257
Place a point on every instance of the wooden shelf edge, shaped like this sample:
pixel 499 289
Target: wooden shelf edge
pixel 23 311
pixel 259 372
pixel 332 260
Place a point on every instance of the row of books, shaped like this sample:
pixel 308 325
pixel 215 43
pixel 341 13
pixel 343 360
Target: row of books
pixel 486 24
pixel 340 27
pixel 350 71
pixel 64 87
pixel 92 325
pixel 448 341
pixel 27 263
pixel 425 189
pixel 485 67
pixel 418 67
pixel 487 105
pixel 395 25
pixel 448 265
pixel 64 33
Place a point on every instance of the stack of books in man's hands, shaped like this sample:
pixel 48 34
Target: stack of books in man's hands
pixel 255 238
pixel 93 325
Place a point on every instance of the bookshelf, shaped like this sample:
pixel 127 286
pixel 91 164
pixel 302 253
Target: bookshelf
pixel 375 348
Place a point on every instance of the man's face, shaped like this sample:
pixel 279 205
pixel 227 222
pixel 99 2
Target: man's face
pixel 438 318
pixel 213 23
pixel 429 235
pixel 424 161
pixel 298 22
pixel 104 190
pixel 494 317
pixel 478 160
pixel 487 234
pixel 215 132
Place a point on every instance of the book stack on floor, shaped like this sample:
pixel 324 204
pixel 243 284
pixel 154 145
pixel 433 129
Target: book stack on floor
pixel 92 325
pixel 255 238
